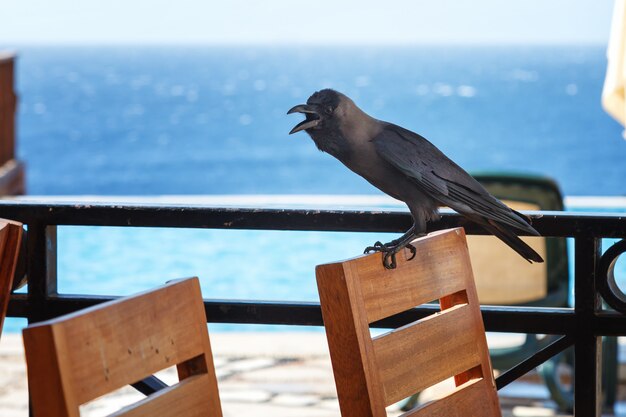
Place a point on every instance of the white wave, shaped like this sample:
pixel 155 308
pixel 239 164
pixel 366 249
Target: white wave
pixel 519 74
pixel 466 91
pixel 571 89
pixel 444 90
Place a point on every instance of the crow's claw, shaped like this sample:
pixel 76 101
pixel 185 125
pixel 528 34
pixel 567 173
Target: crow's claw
pixel 413 251
pixel 390 249
pixel 377 247
pixel 389 252
pixel 389 260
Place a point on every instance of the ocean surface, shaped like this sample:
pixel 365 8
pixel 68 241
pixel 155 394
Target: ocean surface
pixel 193 120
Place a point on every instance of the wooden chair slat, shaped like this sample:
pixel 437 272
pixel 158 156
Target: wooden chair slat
pixel 158 332
pixel 389 292
pixel 45 380
pixel 184 399
pixel 467 400
pixel 435 348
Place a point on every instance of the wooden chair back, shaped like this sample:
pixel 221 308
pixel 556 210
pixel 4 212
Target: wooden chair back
pixel 10 241
pixel 79 357
pixel 373 373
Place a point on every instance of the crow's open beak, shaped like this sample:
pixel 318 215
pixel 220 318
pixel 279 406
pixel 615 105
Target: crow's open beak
pixel 312 117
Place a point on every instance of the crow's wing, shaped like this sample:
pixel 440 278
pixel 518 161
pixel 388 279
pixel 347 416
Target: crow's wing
pixel 441 178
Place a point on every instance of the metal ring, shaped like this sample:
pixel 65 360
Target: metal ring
pixel 605 279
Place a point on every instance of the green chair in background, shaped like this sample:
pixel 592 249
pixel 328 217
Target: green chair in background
pixel 545 285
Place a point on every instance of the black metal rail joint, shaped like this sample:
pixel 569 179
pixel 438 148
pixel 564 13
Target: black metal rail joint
pixel 581 326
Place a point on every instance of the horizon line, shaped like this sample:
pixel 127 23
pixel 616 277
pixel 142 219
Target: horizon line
pixel 197 43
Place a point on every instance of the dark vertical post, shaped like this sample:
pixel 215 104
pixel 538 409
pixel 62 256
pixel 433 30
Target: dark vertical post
pixel 42 269
pixel 588 351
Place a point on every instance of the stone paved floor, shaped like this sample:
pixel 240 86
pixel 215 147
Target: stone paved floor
pixel 277 374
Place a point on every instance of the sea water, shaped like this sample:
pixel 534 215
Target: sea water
pixel 208 120
pixel 195 120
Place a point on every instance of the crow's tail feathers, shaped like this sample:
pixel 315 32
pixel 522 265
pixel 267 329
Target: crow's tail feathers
pixel 511 239
pixel 529 226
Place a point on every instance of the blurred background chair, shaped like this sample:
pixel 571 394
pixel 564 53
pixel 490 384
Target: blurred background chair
pixel 10 243
pixel 498 278
pixel 74 359
pixel 498 273
pixel 373 373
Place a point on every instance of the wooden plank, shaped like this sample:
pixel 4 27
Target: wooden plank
pixel 156 330
pixel 204 363
pixel 472 399
pixel 470 295
pixel 8 101
pixel 6 277
pixel 46 386
pixel 435 348
pixel 10 242
pixel 436 271
pixel 187 398
pixel 12 178
pixel 350 343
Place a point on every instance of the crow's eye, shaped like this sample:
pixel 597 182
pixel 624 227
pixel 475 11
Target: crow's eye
pixel 329 110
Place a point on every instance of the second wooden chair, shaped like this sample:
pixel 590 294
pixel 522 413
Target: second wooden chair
pixel 373 373
pixel 79 357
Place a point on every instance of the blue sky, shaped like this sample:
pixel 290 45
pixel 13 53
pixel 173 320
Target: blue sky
pixel 304 22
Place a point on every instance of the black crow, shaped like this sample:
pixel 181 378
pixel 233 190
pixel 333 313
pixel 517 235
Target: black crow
pixel 409 168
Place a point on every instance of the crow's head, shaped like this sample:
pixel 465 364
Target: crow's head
pixel 320 110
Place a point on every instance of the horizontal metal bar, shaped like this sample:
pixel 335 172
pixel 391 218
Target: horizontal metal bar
pixel 609 323
pixel 547 223
pixel 539 320
pixel 217 311
pixel 505 319
pixel 149 385
pixel 497 318
pixel 533 361
pixel 206 217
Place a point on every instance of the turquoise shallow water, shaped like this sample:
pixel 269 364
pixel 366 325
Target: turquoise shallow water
pixel 262 265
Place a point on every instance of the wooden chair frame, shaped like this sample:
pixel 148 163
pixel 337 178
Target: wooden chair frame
pixel 79 357
pixel 373 373
pixel 10 243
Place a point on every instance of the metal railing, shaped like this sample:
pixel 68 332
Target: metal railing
pixel 581 326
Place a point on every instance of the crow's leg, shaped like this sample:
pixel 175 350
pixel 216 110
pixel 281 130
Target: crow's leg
pixel 402 240
pixel 390 249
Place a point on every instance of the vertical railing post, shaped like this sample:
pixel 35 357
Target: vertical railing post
pixel 42 270
pixel 588 350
